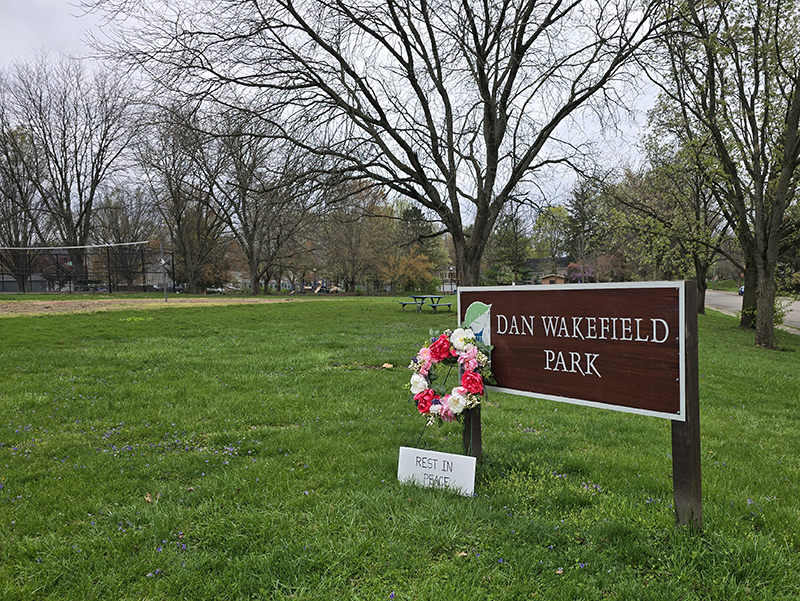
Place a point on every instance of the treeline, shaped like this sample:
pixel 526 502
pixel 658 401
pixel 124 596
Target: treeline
pixel 86 158
pixel 270 135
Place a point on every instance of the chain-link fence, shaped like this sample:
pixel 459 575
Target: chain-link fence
pixel 121 268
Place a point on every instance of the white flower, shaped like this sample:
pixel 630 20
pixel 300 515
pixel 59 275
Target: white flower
pixel 458 400
pixel 418 383
pixel 461 337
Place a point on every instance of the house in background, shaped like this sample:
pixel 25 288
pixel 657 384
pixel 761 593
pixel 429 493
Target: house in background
pixel 549 267
pixel 553 279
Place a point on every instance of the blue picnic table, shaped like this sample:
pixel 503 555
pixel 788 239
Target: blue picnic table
pixel 421 300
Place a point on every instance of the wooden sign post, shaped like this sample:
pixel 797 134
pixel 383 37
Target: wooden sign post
pixel 628 347
pixel 471 435
pixel 686 434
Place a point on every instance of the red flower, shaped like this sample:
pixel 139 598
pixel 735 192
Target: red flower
pixel 473 382
pixel 425 400
pixel 440 350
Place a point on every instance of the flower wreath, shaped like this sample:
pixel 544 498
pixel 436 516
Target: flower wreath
pixel 459 347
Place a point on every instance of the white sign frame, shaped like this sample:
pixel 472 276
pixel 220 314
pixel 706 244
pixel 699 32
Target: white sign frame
pixel 678 285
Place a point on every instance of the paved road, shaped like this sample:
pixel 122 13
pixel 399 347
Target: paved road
pixel 731 302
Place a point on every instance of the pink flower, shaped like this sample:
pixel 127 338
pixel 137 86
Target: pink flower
pixel 424 360
pixel 445 412
pixel 468 358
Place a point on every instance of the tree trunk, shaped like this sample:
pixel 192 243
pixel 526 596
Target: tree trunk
pixel 191 274
pixel 747 320
pixel 470 273
pixel 254 277
pixel 701 271
pixel 765 312
pixel 701 297
pixel 76 256
pixel 468 260
pixel 765 304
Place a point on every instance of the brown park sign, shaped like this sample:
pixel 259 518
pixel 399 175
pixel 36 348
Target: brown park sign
pixel 629 347
pixel 614 346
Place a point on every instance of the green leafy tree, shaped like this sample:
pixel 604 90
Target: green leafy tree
pixel 509 250
pixel 675 226
pixel 587 236
pixel 732 70
pixel 550 234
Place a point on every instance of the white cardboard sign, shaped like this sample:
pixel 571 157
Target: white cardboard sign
pixel 431 469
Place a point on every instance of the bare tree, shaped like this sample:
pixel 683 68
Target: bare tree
pixel 354 235
pixel 126 215
pixel 20 207
pixel 77 125
pixel 267 196
pixel 183 166
pixel 455 106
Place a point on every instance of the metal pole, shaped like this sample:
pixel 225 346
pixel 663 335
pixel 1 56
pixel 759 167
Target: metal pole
pixel 108 262
pixel 163 268
pixel 144 270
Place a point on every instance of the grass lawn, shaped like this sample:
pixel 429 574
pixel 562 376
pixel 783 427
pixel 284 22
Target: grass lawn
pixel 729 285
pixel 250 452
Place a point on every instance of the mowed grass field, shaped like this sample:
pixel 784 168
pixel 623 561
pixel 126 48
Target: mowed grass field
pixel 250 452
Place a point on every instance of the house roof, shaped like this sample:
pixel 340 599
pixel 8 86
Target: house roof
pixel 546 264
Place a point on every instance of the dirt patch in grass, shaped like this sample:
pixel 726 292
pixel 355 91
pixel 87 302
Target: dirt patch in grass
pixel 83 305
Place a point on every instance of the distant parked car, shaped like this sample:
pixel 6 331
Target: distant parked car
pixel 741 290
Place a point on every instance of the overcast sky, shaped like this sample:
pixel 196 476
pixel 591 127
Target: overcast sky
pixel 27 26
